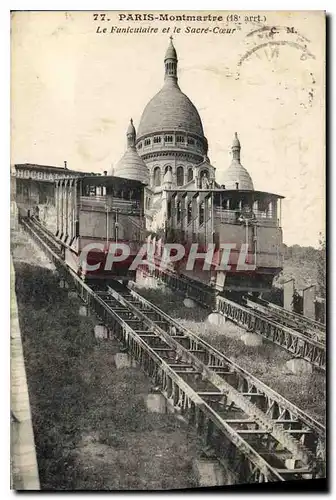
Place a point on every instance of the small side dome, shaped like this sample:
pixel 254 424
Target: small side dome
pixel 131 166
pixel 236 176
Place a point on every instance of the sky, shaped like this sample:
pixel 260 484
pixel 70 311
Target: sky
pixel 73 92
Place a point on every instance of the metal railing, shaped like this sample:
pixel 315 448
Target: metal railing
pixel 304 325
pixel 170 355
pixel 254 217
pixel 109 204
pixel 272 404
pixel 292 341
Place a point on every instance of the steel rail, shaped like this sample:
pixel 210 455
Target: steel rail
pixel 44 234
pixel 292 341
pixel 47 234
pixel 305 325
pixel 273 397
pixel 291 314
pixel 191 366
pixel 281 414
pixel 279 317
pixel 299 451
pixel 221 358
pixel 225 442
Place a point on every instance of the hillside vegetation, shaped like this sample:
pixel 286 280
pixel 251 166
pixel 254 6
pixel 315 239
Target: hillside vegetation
pixel 307 265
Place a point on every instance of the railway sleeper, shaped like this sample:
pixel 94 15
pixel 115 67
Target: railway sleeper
pixel 215 367
pixel 292 445
pixel 152 369
pixel 253 395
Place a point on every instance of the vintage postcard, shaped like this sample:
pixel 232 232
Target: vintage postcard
pixel 168 284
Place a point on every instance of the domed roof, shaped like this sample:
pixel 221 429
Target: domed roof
pixel 236 173
pixel 170 109
pixel 131 166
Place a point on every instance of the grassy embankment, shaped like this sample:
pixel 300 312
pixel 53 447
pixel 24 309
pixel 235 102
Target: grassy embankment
pixel 92 428
pixel 267 362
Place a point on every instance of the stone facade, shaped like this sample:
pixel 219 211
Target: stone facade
pixel 170 140
pixel 170 134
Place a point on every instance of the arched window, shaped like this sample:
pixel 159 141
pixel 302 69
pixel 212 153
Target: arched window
pixel 147 142
pixel 180 176
pixel 168 138
pixel 189 212
pixel 201 213
pixel 167 167
pixel 190 174
pixel 178 212
pixel 157 139
pixel 157 176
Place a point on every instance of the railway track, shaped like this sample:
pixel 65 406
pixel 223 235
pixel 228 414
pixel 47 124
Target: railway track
pixel 247 426
pixel 302 324
pixel 268 401
pixel 298 344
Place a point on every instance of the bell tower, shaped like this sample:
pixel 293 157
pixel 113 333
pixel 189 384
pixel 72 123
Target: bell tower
pixel 236 148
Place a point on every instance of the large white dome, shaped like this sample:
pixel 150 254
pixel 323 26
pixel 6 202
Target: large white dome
pixel 170 110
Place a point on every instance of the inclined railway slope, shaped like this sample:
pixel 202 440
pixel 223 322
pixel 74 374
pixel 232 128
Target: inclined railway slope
pixel 298 344
pixel 253 431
